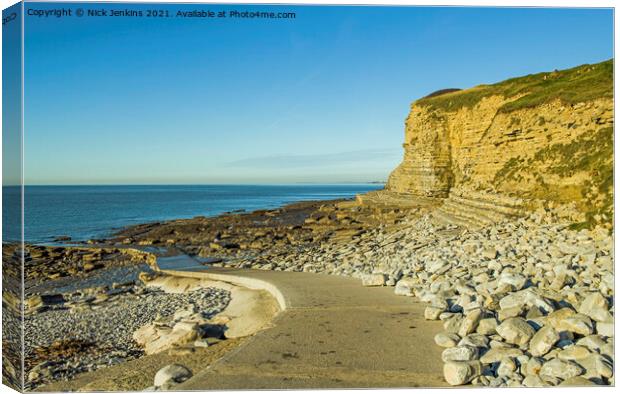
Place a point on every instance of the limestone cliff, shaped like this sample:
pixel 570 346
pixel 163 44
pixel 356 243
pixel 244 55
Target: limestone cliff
pixel 545 137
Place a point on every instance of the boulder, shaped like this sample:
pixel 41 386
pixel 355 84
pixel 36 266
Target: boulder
pixel 457 373
pixel 459 353
pixel 596 307
pixel 533 381
pixel 557 368
pixel 145 334
pixel 447 340
pixel 173 373
pixel 596 366
pixel 523 298
pixel 516 330
pixel 555 318
pixel 38 303
pixel 593 342
pixel 533 366
pixel 517 281
pixel 452 323
pixel 470 322
pixel 203 342
pixel 490 253
pixel 487 326
pixel 42 370
pixel 577 323
pixel 543 341
pixel 507 366
pixel 374 280
pixel 605 329
pixel 432 312
pixel 405 287
pixel 157 339
pixel 573 353
pixel 513 300
pixel 34 303
pixel 507 313
pixel 475 340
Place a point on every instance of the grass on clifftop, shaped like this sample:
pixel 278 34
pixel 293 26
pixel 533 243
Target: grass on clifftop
pixel 575 85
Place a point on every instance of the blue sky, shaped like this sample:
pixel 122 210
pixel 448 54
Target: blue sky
pixel 318 98
pixel 11 96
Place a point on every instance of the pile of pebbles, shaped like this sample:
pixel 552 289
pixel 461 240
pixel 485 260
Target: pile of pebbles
pixel 100 334
pixel 526 302
pixel 523 303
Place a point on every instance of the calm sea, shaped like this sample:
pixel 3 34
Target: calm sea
pixel 84 212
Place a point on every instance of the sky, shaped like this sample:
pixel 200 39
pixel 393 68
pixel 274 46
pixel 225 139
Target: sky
pixel 318 98
pixel 11 97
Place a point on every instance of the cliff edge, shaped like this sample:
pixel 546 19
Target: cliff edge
pixel 538 140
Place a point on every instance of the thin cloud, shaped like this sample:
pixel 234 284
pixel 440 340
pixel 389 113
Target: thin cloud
pixel 318 160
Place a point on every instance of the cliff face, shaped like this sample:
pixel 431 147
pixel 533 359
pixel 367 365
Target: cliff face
pixel 544 137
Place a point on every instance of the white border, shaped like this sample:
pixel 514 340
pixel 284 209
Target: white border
pixel 483 3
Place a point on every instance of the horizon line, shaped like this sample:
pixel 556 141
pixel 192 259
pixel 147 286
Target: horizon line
pixel 200 184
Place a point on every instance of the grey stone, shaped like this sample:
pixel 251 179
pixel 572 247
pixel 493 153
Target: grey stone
pixel 557 368
pixel 495 355
pixel 507 367
pixel 444 339
pixel 596 366
pixel 459 353
pixel 374 280
pixel 596 307
pixel 487 326
pixel 432 312
pixel 470 322
pixel 173 373
pixel 573 353
pixel 555 318
pixel 475 340
pixel 534 381
pixel 577 323
pixel 516 331
pixel 513 279
pixel 507 313
pixel 543 341
pixel 514 300
pixel 405 287
pixel 533 366
pixel 457 373
pixel 593 342
pixel 605 329
pixel 452 324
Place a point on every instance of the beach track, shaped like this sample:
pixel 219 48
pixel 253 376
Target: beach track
pixel 331 332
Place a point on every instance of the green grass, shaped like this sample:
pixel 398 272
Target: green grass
pixel 592 153
pixel 575 85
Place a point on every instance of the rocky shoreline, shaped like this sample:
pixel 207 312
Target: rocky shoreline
pixel 524 302
pixel 102 335
pixel 84 307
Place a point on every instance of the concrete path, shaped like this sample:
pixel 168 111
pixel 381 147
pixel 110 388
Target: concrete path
pixel 331 333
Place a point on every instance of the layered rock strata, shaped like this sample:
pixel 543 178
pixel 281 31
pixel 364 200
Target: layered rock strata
pixel 530 137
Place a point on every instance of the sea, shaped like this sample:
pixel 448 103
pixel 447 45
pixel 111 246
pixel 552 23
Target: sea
pixel 91 212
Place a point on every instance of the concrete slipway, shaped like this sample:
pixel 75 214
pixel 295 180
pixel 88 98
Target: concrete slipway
pixel 331 332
